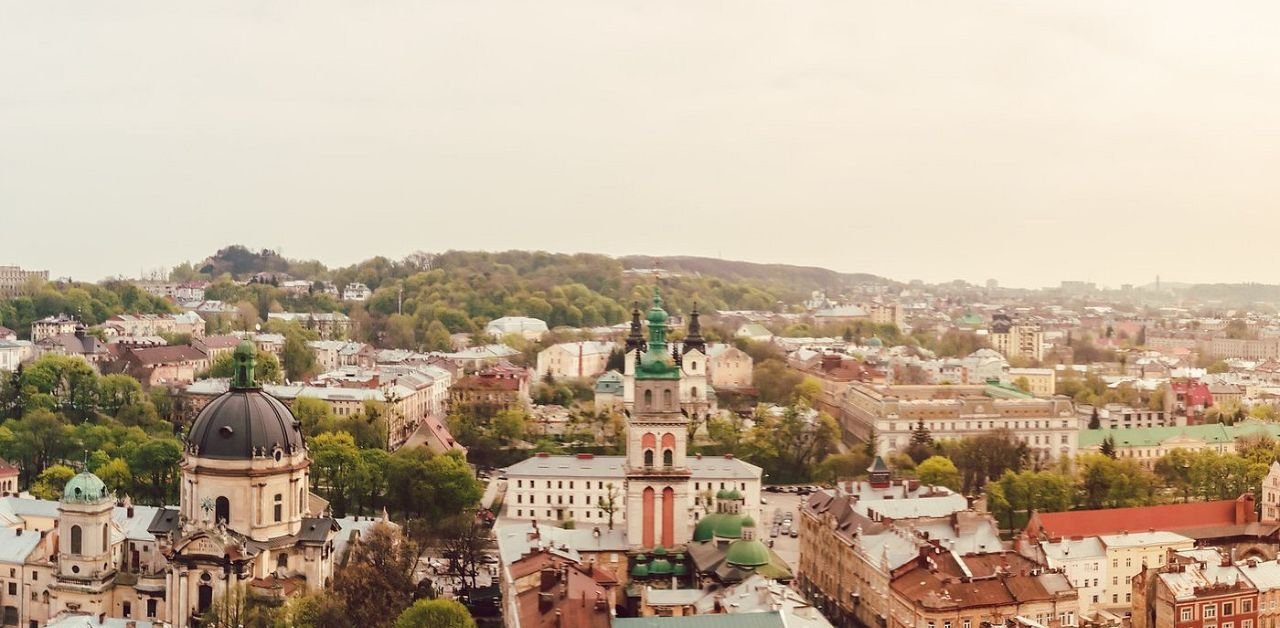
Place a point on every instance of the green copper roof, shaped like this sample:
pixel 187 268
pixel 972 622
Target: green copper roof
pixel 660 567
pixel 659 551
pixel 243 360
pixel 878 465
pixel 85 488
pixel 718 525
pixel 679 569
pixel 1214 433
pixel 748 522
pixel 751 553
pixel 734 494
pixel 722 494
pixel 639 571
pixel 655 363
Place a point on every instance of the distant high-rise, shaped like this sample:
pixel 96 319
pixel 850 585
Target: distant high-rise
pixel 13 280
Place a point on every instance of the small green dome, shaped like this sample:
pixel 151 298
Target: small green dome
pixel 246 348
pixel 875 341
pixel 751 553
pixel 679 569
pixel 660 567
pixel 734 494
pixel 659 551
pixel 723 494
pixel 718 525
pixel 640 571
pixel 748 522
pixel 85 488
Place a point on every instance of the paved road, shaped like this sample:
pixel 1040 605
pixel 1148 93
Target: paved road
pixel 787 548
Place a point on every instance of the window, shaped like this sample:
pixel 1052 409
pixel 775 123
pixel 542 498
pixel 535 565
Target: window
pixel 519 498
pixel 1128 562
pixel 519 483
pixel 282 560
pixel 127 610
pixel 1128 579
pixel 1228 609
pixel 1186 613
pixel 519 512
pixel 222 510
pixel 1248 623
pixel 1115 562
pixel 13 588
pixel 648 398
pixel 77 541
pixel 1209 611
pixel 570 484
pixel 946 624
pixel 648 458
pixel 151 608
pixel 1228 624
pixel 667 458
pixel 1246 606
pixel 279 507
pixel 1115 580
pixel 559 483
pixel 966 624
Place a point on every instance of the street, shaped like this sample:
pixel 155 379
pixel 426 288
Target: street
pixel 787 548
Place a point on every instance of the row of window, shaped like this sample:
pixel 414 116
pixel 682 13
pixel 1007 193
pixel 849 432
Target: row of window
pixel 1013 425
pixel 587 514
pixel 1210 611
pixel 1066 619
pixel 697 486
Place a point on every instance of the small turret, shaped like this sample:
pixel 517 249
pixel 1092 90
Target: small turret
pixel 693 340
pixel 635 339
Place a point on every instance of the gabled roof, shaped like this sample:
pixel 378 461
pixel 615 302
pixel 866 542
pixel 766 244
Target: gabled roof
pixel 1168 517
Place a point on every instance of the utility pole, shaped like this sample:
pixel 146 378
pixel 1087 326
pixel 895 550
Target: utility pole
pixel 400 300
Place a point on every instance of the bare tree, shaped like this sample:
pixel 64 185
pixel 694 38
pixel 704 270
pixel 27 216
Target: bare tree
pixel 609 503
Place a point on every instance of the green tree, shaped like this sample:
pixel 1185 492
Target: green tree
pixel 1108 447
pixel 339 470
pixel 939 471
pixel 266 368
pixel 297 358
pixel 377 583
pixel 775 382
pixel 51 481
pixel 435 614
pixel 117 391
pixel 116 475
pixel 921 446
pixel 1095 421
pixel 437 337
pixel 842 467
pixel 155 469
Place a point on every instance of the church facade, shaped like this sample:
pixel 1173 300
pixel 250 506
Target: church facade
pixel 246 525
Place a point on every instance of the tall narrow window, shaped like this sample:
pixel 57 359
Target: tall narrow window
pixel 77 542
pixel 279 507
pixel 222 510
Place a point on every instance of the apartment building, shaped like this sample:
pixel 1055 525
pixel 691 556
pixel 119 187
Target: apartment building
pixel 1048 426
pixel 13 279
pixel 1015 339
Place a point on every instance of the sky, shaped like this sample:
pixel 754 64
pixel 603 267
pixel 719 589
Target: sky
pixel 1030 142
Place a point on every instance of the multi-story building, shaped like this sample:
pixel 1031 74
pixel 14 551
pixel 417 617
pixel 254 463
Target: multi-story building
pixel 1048 426
pixel 1146 445
pixel 944 588
pixel 574 360
pixel 188 323
pixel 857 541
pixel 335 354
pixel 886 314
pixel 1083 560
pixel 14 280
pixel 1271 494
pixel 1040 382
pixel 728 367
pixel 15 352
pixel 1197 589
pixel 523 326
pixel 1016 339
pixel 50 326
pixel 695 396
pixel 1121 417
pixel 1128 554
pixel 492 390
pixel 329 325
pixel 356 292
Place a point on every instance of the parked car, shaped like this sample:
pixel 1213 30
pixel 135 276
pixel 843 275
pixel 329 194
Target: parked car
pixel 774 532
pixel 795 532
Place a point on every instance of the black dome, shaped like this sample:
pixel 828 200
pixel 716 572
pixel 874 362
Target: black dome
pixel 242 425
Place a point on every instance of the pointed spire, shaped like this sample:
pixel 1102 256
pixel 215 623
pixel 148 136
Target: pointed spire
pixel 693 339
pixel 635 340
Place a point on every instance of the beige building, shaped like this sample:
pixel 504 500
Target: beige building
pixel 728 366
pixel 574 360
pixel 1040 382
pixel 1015 340
pixel 13 280
pixel 1127 555
pixel 50 326
pixel 1048 426
pixel 154 324
pixel 886 314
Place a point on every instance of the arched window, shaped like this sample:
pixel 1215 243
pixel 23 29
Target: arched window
pixel 302 499
pixel 693 392
pixel 648 398
pixel 282 560
pixel 648 457
pixel 222 510
pixel 693 366
pixel 666 399
pixel 77 543
pixel 106 539
pixel 648 441
pixel 279 507
pixel 667 457
pixel 668 449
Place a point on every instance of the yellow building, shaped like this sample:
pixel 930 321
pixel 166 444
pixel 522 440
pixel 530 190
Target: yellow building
pixel 1127 555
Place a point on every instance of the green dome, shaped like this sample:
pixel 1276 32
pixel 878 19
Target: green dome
pixel 751 553
pixel 679 569
pixel 748 522
pixel 85 488
pixel 723 494
pixel 659 551
pixel 639 571
pixel 875 341
pixel 734 494
pixel 718 525
pixel 660 567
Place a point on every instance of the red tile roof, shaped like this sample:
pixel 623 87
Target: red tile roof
pixel 1169 517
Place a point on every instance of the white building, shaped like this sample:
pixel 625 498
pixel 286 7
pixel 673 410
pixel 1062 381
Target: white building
pixel 529 328
pixel 15 352
pixel 556 488
pixel 1084 562
pixel 356 292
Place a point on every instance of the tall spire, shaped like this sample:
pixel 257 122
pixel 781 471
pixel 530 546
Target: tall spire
pixel 635 340
pixel 657 325
pixel 693 340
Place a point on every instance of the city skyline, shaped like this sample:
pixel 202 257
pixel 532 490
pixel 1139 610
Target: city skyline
pixel 1027 143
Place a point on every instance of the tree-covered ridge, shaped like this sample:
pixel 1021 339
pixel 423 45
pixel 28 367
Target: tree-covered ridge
pixel 92 303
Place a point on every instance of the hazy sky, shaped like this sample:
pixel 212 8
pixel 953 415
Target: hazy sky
pixel 1026 141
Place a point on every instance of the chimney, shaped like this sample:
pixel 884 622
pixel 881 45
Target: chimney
pixel 18 532
pixel 129 512
pixel 102 618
